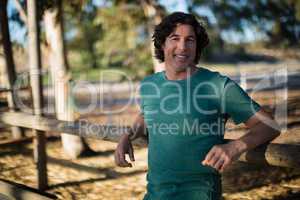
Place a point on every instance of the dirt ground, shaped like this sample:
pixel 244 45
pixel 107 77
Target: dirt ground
pixel 97 178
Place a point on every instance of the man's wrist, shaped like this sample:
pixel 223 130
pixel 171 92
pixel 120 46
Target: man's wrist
pixel 128 134
pixel 240 146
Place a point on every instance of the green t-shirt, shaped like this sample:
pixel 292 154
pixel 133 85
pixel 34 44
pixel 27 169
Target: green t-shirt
pixel 185 119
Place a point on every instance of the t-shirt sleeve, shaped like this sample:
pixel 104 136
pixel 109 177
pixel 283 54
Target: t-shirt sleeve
pixel 237 103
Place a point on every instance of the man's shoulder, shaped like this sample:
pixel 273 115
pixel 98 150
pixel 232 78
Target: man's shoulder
pixel 152 77
pixel 212 75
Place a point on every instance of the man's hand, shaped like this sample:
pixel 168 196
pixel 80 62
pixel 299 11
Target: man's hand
pixel 124 147
pixel 262 129
pixel 221 156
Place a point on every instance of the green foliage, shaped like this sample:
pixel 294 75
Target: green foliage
pixel 109 36
pixel 113 34
pixel 80 19
pixel 216 43
pixel 280 20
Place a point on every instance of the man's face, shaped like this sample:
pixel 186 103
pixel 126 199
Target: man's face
pixel 180 48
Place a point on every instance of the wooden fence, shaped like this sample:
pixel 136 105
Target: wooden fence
pixel 284 155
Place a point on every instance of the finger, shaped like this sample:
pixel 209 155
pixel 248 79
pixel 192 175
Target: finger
pixel 212 157
pixel 118 160
pixel 218 165
pixel 208 157
pixel 224 166
pixel 213 161
pixel 131 153
pixel 123 161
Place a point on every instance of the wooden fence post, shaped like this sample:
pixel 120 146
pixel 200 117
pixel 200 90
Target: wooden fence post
pixel 10 74
pixel 34 53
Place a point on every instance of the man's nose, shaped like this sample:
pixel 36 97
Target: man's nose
pixel 182 45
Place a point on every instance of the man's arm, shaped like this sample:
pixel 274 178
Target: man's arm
pixel 262 129
pixel 138 129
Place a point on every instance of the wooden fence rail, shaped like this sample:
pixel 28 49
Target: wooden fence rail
pixel 284 155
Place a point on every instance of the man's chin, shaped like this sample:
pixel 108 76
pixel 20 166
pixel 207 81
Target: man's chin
pixel 181 68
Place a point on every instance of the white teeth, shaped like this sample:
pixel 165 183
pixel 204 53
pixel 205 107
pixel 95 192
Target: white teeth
pixel 181 56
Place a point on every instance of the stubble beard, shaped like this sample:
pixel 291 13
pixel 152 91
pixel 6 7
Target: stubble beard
pixel 183 68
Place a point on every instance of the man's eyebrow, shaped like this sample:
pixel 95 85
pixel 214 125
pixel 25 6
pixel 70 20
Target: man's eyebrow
pixel 192 36
pixel 176 35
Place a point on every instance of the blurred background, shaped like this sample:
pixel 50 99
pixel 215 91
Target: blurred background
pixel 117 34
pixel 101 49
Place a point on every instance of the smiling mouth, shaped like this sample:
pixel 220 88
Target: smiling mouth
pixel 181 57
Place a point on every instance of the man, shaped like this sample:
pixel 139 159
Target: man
pixel 184 110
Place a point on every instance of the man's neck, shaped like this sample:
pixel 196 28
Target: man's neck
pixel 180 75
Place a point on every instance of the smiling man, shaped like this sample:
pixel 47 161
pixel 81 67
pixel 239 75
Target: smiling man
pixel 183 113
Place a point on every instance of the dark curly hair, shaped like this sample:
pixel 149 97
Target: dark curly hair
pixel 167 26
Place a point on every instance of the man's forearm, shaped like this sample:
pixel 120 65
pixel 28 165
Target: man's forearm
pixel 259 134
pixel 138 129
pixel 221 156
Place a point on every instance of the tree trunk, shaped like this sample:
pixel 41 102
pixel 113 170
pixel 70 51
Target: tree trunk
pixel 154 13
pixel 10 74
pixel 73 145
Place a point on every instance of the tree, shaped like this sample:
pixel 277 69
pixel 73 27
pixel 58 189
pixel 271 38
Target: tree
pixel 124 37
pixel 52 12
pixel 279 20
pixel 53 17
pixel 154 14
pixel 82 18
